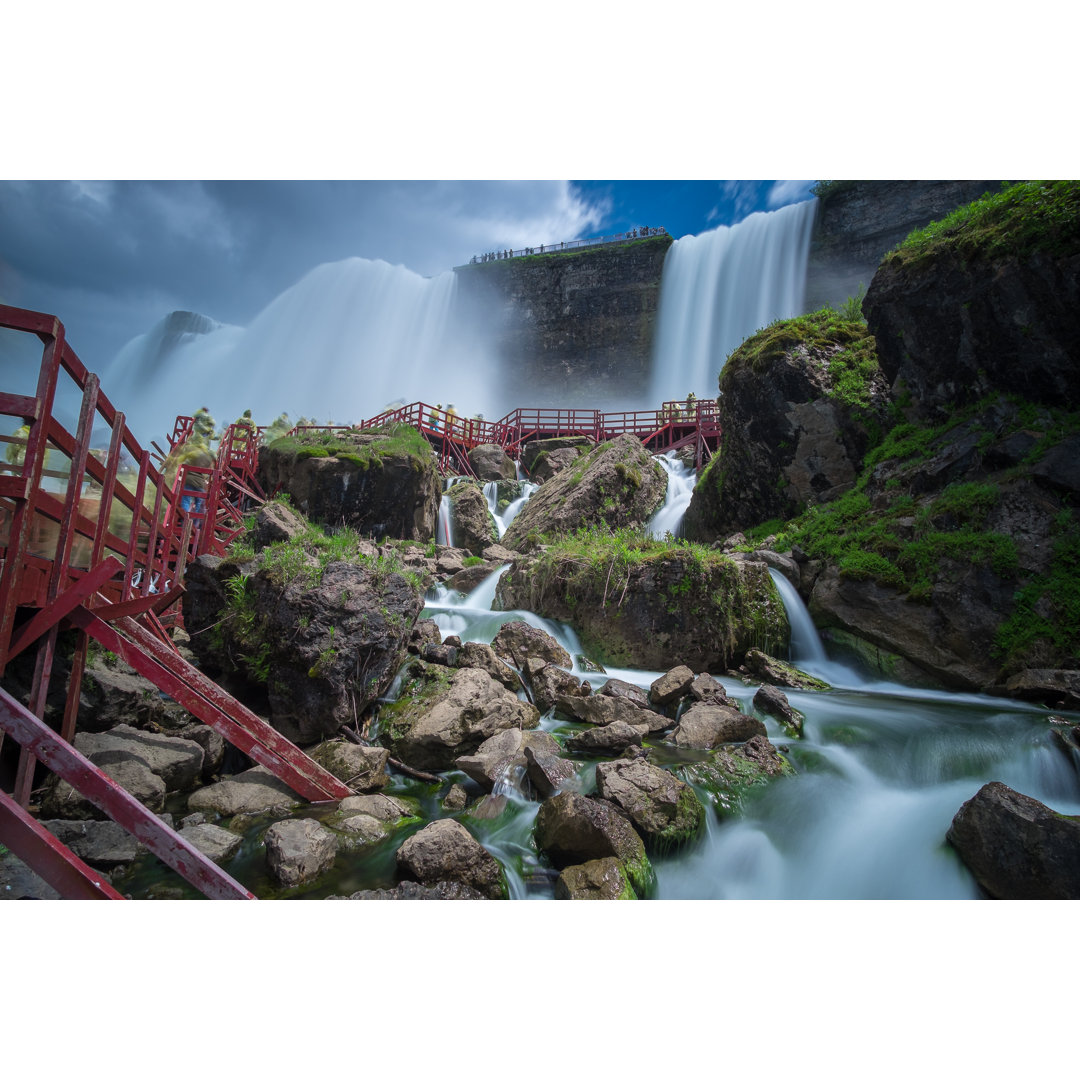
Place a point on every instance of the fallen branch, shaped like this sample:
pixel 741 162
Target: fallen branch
pixel 409 771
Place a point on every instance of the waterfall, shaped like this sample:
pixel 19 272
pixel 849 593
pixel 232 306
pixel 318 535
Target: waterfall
pixel 806 647
pixel 680 490
pixel 338 345
pixel 719 287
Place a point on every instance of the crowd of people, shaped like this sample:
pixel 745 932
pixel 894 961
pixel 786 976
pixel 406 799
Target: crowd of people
pixel 509 253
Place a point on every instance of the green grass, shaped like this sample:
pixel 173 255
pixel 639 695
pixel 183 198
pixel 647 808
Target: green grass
pixel 1036 216
pixel 367 449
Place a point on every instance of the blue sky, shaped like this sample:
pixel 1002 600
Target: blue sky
pixel 111 258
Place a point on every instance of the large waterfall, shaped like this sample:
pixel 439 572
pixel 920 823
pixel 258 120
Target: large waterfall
pixel 346 340
pixel 718 288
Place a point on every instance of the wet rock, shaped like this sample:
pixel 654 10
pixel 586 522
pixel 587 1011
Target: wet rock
pixel 601 711
pixel 179 762
pixel 213 746
pixel 548 683
pixel 473 526
pixel 446 851
pixel 705 727
pixel 475 654
pixel 572 829
pixel 663 808
pixel 489 462
pixel 784 563
pixel 299 850
pixel 1017 848
pixel 711 691
pixel 599 879
pixel 101 844
pixel 612 738
pixel 443 714
pixel 19 882
pixel 618 688
pixel 385 808
pixel 671 687
pixel 774 702
pixel 543 458
pixel 467 579
pixel 1058 689
pixel 251 792
pixel 425 632
pixel 547 772
pixel 617 484
pixel 362 768
pixel 779 673
pixel 497 758
pixel 214 842
pixel 455 799
pixel 729 773
pixel 517 641
pixel 439 654
pixel 61 800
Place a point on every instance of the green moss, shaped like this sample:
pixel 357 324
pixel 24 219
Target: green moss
pixel 369 448
pixel 1037 216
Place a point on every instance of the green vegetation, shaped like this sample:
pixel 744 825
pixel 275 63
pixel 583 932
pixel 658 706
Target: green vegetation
pixel 840 348
pixel 824 188
pixel 368 448
pixel 1037 216
pixel 1044 627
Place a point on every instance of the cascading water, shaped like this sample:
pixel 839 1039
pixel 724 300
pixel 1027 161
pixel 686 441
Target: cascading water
pixel 718 288
pixel 339 345
pixel 806 648
pixel 502 521
pixel 680 490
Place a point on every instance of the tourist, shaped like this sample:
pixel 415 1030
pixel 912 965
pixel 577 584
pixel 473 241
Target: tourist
pixel 433 419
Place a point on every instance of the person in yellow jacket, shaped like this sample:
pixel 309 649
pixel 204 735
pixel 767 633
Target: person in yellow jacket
pixel 451 419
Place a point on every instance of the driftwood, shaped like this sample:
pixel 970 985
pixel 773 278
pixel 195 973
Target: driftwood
pixel 417 773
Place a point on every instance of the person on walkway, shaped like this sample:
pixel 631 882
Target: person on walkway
pixel 433 417
pixel 451 420
pixel 691 405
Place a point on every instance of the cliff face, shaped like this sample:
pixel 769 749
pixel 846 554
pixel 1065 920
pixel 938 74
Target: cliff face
pixel 861 220
pixel 573 328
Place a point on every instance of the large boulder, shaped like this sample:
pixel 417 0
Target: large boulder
pixel 446 851
pixel 572 829
pixel 732 772
pixel 673 605
pixel 1017 848
pixel 598 879
pixel 489 462
pixel 363 768
pixel 543 458
pixel 662 807
pixel 442 714
pixel 517 641
pixel 383 482
pixel 60 800
pixel 255 791
pixel 471 521
pixel 618 484
pixel 325 651
pixel 705 727
pixel 299 850
pixel 497 760
pixel 799 403
pixel 992 303
pixel 179 762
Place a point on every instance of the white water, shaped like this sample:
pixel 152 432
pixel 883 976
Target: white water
pixel 680 490
pixel 720 287
pixel 881 771
pixel 806 647
pixel 338 346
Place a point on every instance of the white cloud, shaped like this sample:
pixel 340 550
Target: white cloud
pixel 788 191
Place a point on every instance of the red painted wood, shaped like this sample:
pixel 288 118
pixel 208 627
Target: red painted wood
pixel 64 760
pixel 49 858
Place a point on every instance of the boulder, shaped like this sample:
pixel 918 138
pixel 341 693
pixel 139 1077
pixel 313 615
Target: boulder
pixel 729 773
pixel 276 523
pixel 496 759
pixel 475 654
pixel 381 482
pixel 601 710
pixel 705 727
pixel 618 484
pixel 471 521
pixel 179 762
pixel 443 714
pixel 599 879
pixel 1017 848
pixel 424 632
pixel 706 688
pixel 251 792
pixel 446 851
pixel 455 799
pixel 543 458
pixel 548 683
pixel 572 829
pixel 780 673
pixel 517 641
pixel 611 739
pixel 60 800
pixel 363 768
pixel 101 844
pixel 1055 688
pixel 489 462
pixel 547 772
pixel 299 850
pixel 662 807
pixel 214 842
pixel 774 702
pixel 618 688
pixel 671 687
pixel 412 890
pixel 325 652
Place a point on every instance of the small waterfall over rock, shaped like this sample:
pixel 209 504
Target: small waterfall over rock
pixel 719 287
pixel 806 646
pixel 680 490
